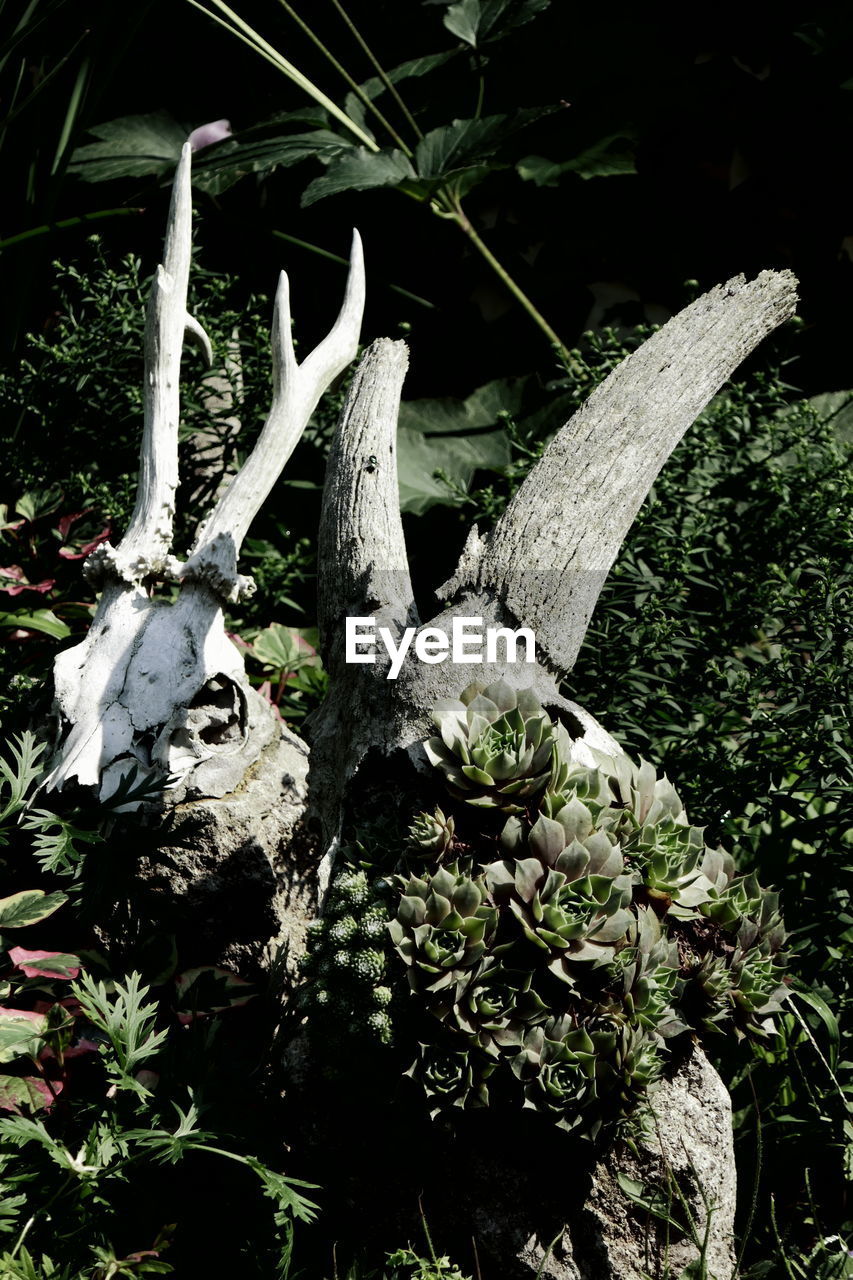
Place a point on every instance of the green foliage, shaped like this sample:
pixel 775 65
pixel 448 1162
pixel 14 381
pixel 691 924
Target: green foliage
pixel 405 1264
pixel 496 749
pixel 562 971
pixel 70 1169
pixel 346 997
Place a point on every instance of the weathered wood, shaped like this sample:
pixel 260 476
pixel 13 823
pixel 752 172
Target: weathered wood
pixel 550 552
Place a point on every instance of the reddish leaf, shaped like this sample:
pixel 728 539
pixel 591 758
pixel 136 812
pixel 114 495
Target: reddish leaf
pixel 45 964
pixel 27 1091
pixel 76 1050
pixel 18 582
pixel 65 522
pixel 70 553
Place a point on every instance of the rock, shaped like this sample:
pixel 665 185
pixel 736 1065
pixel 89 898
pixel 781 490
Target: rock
pixel 232 877
pixel 589 1229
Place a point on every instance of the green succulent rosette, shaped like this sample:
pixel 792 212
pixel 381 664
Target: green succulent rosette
pixel 556 1068
pixel 569 895
pixel 496 746
pixel 495 1007
pixel 442 927
pixel 431 834
pixel 451 1076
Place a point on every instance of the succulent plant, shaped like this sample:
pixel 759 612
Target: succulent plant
pixel 556 970
pixel 431 834
pixel 451 1076
pixel 649 967
pixel 494 1007
pixel 442 927
pixel 556 1067
pixel 570 895
pixel 496 746
pixel 345 966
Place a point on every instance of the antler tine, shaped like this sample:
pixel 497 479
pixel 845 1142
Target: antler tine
pixel 296 391
pixel 145 546
pixel 549 554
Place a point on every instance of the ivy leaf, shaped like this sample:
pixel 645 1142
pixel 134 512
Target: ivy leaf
pixel 359 170
pixel 131 146
pixel 28 907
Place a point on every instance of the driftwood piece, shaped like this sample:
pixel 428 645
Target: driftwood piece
pixel 240 850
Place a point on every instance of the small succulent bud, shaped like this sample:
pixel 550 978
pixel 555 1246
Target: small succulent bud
pixel 431 834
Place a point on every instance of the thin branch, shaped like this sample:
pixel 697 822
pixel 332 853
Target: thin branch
pixel 380 70
pixel 356 88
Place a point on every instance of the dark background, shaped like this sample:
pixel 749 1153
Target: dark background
pixel 740 118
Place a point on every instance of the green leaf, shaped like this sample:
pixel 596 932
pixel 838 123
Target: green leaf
pixel 651 1199
pixel 24 1091
pixel 132 146
pixel 477 21
pixel 420 458
pixel 452 437
pixel 44 620
pixel 21 1034
pixel 463 20
pixel 20 773
pixel 359 170
pixel 463 143
pixel 608 157
pixel 837 408
pixel 279 647
pixel 55 840
pixel 827 1017
pixel 28 907
pixel 453 145
pixel 414 67
pixel 246 153
pixel 447 415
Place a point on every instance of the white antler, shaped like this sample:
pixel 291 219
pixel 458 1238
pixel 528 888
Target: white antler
pixel 144 549
pixel 160 686
pixel 296 391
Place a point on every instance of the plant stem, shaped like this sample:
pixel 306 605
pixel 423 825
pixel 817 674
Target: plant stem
pixel 380 70
pixel 344 262
pixel 241 29
pixel 63 223
pixel 462 220
pixel 341 70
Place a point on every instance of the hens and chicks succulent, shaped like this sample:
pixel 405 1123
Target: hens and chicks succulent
pixel 556 957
